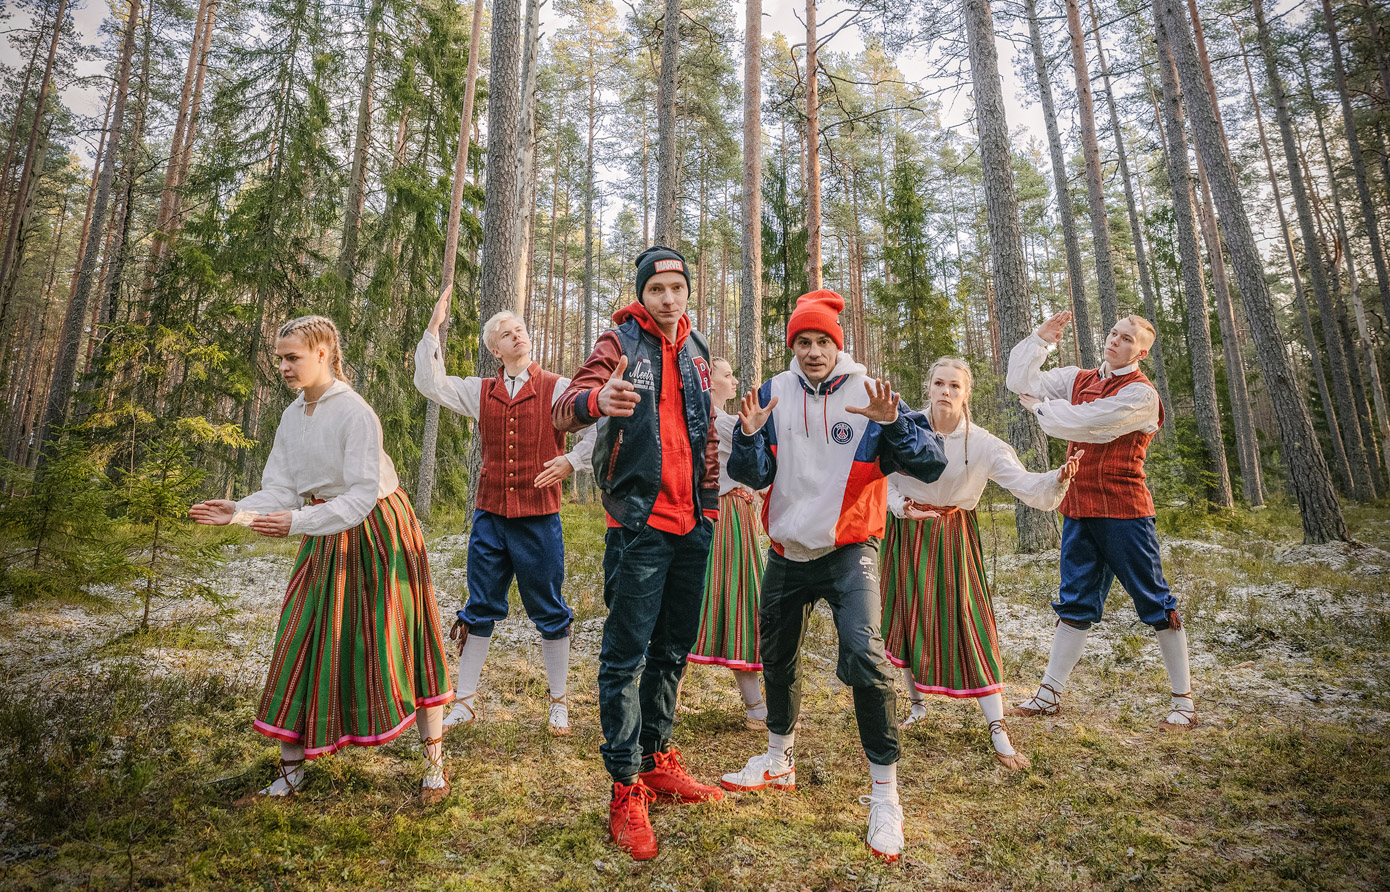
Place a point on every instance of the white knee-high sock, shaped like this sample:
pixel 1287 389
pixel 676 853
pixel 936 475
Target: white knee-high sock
pixel 992 705
pixel 885 779
pixel 751 693
pixel 919 700
pixel 1067 644
pixel 430 723
pixel 470 669
pixel 1172 643
pixel 556 656
pixel 779 748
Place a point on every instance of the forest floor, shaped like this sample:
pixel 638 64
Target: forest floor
pixel 121 752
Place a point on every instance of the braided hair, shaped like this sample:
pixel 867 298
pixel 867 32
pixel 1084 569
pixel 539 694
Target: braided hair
pixel 315 332
pixel 955 362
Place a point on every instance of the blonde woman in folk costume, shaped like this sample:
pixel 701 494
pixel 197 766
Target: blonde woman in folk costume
pixel 358 656
pixel 938 620
pixel 729 615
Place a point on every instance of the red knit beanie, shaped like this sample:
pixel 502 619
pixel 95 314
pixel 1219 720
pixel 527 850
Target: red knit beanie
pixel 817 311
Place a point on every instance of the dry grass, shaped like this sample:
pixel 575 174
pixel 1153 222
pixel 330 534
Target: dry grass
pixel 117 777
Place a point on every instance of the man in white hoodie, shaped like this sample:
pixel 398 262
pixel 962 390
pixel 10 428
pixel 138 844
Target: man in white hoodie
pixel 825 455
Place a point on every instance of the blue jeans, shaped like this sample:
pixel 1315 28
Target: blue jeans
pixel 653 584
pixel 1098 550
pixel 531 549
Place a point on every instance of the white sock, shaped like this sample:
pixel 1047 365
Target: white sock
pixel 430 723
pixel 556 655
pixel 992 705
pixel 470 670
pixel 1067 644
pixel 1172 643
pixel 289 752
pixel 919 700
pixel 885 779
pixel 779 748
pixel 752 694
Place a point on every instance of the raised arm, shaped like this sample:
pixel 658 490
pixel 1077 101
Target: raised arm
pixel 911 447
pixel 752 461
pixel 463 395
pixel 1134 408
pixel 1026 373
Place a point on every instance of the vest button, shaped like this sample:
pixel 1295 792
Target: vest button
pixel 511 489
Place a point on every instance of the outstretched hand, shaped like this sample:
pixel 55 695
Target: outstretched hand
pixel 1068 470
pixel 556 470
pixel 914 511
pixel 213 512
pixel 618 398
pixel 1051 330
pixel 752 415
pixel 883 402
pixel 441 310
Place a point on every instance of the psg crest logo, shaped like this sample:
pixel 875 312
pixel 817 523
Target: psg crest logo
pixel 841 433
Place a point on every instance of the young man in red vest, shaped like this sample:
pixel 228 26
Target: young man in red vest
pixel 646 389
pixel 1108 514
pixel 516 529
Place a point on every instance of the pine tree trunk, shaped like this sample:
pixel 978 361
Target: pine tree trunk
pixel 18 120
pixel 166 197
pixel 666 149
pixel 526 138
pixel 813 212
pixel 1076 277
pixel 33 168
pixel 1206 407
pixel 70 340
pixel 1095 192
pixel 1141 260
pixel 357 178
pixel 424 495
pixel 1037 530
pixel 750 316
pixel 1358 165
pixel 1308 473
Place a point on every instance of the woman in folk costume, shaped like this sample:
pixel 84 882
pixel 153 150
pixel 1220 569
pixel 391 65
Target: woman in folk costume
pixel 729 616
pixel 938 619
pixel 358 654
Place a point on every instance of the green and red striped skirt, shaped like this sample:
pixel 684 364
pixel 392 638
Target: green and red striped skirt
pixel 937 613
pixel 729 615
pixel 359 648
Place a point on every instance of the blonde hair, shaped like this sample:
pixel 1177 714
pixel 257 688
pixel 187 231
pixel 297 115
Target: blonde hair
pixel 954 362
pixel 315 332
pixel 1141 323
pixel 491 326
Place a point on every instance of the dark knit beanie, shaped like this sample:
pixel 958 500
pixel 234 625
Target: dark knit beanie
pixel 659 259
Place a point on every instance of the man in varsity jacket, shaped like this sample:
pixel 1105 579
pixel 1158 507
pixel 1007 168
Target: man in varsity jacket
pixel 646 386
pixel 516 529
pixel 1108 527
pixel 823 435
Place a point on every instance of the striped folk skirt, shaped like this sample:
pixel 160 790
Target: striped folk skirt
pixel 937 613
pixel 359 648
pixel 733 577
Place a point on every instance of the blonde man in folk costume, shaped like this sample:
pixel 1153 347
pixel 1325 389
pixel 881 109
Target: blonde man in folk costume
pixel 516 531
pixel 1108 530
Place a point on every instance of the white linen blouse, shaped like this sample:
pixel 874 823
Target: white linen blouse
pixel 962 483
pixel 1134 407
pixel 334 454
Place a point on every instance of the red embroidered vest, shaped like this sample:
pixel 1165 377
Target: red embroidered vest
pixel 1110 481
pixel 518 439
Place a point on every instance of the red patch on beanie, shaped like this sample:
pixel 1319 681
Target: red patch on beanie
pixel 818 311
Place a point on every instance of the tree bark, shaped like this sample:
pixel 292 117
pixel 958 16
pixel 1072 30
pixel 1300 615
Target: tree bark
pixel 18 119
pixel 1358 164
pixel 1076 276
pixel 750 317
pixel 429 446
pixel 1037 530
pixel 1095 192
pixel 813 211
pixel 70 340
pixel 1308 473
pixel 357 179
pixel 666 127
pixel 526 137
pixel 1207 409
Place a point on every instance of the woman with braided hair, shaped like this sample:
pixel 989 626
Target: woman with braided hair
pixel 938 620
pixel 358 656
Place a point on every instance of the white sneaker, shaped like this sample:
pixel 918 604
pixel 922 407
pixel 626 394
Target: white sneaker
pixel 761 774
pixel 885 837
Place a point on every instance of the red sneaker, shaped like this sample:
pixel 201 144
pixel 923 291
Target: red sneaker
pixel 669 778
pixel 628 822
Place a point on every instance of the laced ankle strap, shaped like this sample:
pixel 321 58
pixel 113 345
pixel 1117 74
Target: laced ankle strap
pixel 431 741
pixel 759 705
pixel 1056 696
pixel 560 700
pixel 998 727
pixel 1187 696
pixel 287 767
